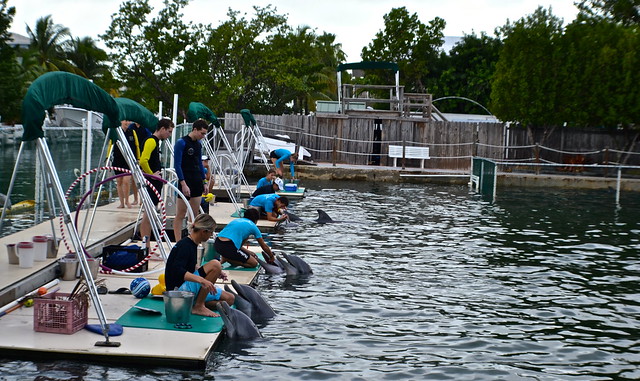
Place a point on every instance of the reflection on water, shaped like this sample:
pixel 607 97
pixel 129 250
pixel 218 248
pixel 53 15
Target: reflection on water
pixel 431 282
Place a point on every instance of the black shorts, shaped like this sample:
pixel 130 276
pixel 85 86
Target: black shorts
pixel 157 184
pixel 196 187
pixel 273 155
pixel 229 251
pixel 122 163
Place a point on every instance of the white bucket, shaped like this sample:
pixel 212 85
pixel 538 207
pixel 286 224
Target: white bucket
pixel 25 254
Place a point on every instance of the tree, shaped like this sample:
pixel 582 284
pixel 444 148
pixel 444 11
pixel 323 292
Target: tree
pixel 10 79
pixel 49 43
pixel 526 82
pixel 149 54
pixel 468 73
pixel 626 12
pixel 88 58
pixel 411 44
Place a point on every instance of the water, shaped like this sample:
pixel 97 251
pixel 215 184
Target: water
pixel 431 282
pixel 67 160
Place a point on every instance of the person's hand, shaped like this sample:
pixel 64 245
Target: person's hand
pixel 272 258
pixel 185 190
pixel 208 285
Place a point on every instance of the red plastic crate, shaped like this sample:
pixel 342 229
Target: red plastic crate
pixel 58 314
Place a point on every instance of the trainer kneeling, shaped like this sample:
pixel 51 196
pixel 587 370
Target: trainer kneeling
pixel 230 240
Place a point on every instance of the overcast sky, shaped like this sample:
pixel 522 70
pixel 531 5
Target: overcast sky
pixel 354 22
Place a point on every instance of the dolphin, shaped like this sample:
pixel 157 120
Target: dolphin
pixel 289 269
pixel 237 325
pixel 241 303
pixel 323 217
pixel 271 269
pixel 3 198
pixel 299 263
pixel 260 309
pixel 292 217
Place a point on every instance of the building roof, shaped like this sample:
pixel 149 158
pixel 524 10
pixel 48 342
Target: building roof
pixel 18 40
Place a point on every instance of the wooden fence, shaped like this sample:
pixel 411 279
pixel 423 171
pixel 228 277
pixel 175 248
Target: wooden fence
pixel 365 140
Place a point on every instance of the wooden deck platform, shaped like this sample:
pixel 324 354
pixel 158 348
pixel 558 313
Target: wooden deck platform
pixel 137 345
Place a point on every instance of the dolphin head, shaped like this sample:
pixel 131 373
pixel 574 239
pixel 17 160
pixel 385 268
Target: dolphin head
pixel 301 266
pixel 269 268
pixel 237 325
pixel 260 309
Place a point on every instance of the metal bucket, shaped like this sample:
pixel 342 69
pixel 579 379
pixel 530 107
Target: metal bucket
pixel 68 268
pixel 177 306
pixel 245 202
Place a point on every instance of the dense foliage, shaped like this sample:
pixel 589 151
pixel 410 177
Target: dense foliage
pixel 534 71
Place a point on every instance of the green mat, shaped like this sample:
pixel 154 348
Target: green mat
pixel 238 214
pixel 140 319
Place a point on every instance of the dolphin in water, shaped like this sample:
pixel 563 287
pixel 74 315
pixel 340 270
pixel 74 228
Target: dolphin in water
pixel 3 199
pixel 300 265
pixel 237 325
pixel 260 309
pixel 271 269
pixel 323 217
pixel 241 303
pixel 289 269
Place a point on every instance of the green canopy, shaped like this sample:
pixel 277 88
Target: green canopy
pixel 198 110
pixel 249 120
pixel 60 87
pixel 131 110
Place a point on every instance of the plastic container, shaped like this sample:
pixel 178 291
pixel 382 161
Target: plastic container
pixel 290 187
pixel 25 254
pixel 40 248
pixel 210 252
pixel 59 314
pixel 177 306
pixel 11 251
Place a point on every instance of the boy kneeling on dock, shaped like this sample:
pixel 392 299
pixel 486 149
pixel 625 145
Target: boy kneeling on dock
pixel 182 273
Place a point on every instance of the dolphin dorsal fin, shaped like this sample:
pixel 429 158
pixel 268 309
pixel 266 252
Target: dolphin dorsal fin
pixel 323 216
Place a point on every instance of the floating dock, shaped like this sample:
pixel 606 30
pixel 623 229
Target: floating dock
pixel 149 343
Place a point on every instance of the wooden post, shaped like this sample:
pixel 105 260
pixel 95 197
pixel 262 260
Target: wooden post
pixel 606 161
pixel 537 156
pixel 335 150
pixel 404 148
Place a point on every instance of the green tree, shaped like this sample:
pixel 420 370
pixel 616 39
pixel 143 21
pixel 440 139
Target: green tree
pixel 49 44
pixel 468 73
pixel 411 44
pixel 626 12
pixel 10 79
pixel 148 55
pixel 88 58
pixel 526 82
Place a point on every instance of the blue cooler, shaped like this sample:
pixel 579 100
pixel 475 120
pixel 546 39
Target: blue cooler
pixel 290 187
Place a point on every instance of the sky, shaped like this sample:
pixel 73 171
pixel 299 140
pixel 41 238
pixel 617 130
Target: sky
pixel 354 22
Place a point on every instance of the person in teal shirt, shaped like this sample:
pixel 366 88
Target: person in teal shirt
pixel 230 240
pixel 279 156
pixel 272 205
pixel 267 180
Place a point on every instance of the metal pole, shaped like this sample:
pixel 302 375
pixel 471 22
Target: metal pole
pixel 13 179
pixel 618 186
pixel 73 235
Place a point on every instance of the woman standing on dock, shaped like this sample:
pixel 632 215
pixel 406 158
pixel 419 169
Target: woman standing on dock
pixel 182 271
pixel 123 184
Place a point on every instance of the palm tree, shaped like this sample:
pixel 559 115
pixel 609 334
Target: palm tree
pixel 49 43
pixel 87 57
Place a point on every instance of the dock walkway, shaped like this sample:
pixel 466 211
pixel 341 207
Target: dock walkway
pixel 146 346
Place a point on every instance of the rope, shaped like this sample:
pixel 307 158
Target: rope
pixel 569 152
pixel 105 269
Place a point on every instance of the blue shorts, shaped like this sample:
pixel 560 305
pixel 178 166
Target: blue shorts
pixel 195 288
